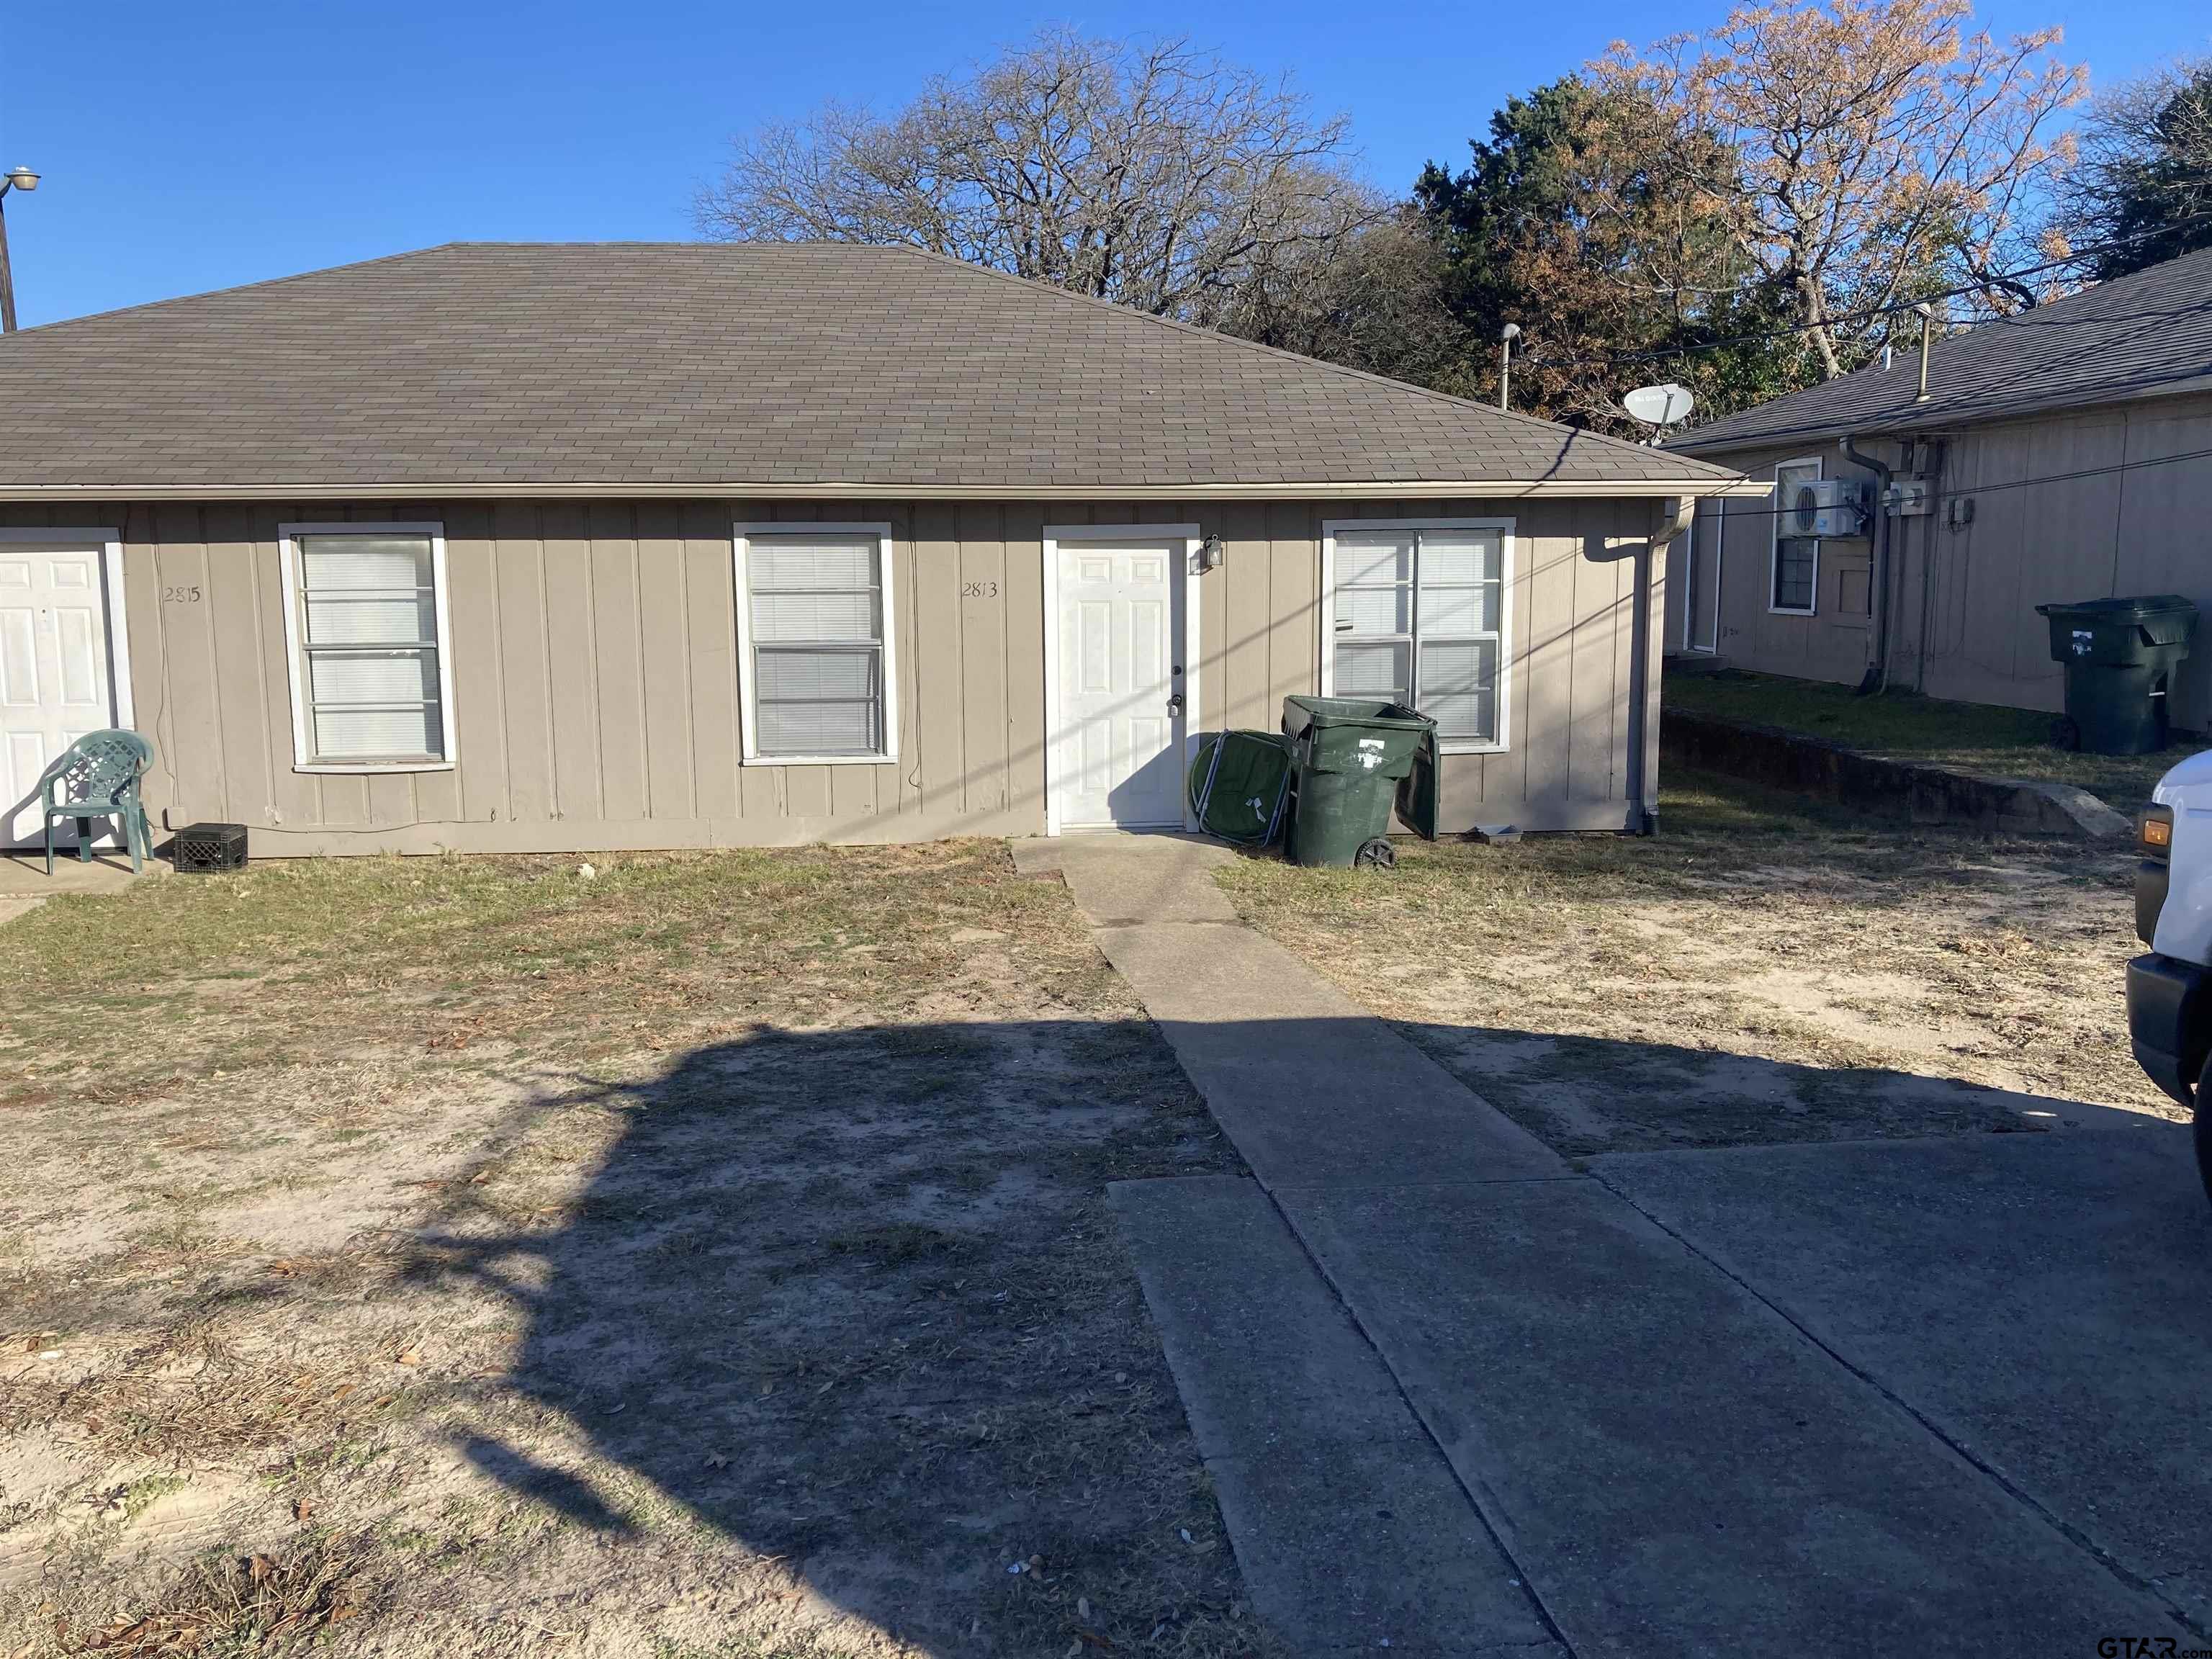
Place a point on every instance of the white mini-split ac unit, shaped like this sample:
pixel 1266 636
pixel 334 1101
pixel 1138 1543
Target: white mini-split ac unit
pixel 1828 507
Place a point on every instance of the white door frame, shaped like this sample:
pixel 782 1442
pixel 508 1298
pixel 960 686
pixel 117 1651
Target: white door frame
pixel 112 611
pixel 1183 588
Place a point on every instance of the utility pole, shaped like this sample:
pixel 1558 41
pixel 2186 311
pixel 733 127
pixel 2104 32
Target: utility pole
pixel 1506 337
pixel 24 179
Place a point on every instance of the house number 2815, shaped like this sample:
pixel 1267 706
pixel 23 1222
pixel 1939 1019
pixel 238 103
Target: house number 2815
pixel 979 590
pixel 181 595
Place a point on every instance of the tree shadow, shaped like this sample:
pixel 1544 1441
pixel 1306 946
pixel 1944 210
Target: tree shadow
pixel 1588 1095
pixel 853 1298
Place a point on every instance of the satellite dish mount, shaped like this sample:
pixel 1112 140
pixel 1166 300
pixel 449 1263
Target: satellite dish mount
pixel 1660 406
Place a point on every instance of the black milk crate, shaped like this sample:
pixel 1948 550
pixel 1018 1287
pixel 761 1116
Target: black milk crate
pixel 203 847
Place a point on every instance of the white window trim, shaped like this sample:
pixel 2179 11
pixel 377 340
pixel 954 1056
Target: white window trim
pixel 1774 543
pixel 742 536
pixel 1329 530
pixel 1191 537
pixel 287 550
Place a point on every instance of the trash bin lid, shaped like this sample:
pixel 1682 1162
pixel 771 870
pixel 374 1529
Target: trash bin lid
pixel 2119 632
pixel 1351 711
pixel 2124 609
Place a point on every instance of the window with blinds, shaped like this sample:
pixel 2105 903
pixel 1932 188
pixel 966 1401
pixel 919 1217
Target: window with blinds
pixel 816 622
pixel 364 613
pixel 1796 572
pixel 1419 618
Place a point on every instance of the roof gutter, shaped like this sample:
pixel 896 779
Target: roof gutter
pixel 1918 417
pixel 431 489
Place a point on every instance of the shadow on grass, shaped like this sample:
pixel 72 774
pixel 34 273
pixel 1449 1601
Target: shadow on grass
pixel 855 1299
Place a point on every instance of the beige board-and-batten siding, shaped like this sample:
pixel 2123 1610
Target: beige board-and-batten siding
pixel 2078 504
pixel 594 670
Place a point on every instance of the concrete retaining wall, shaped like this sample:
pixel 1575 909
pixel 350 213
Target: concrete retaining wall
pixel 1870 783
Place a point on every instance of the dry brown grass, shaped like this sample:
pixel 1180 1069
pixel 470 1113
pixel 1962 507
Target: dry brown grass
pixel 707 1258
pixel 1759 970
pixel 185 1396
pixel 240 1606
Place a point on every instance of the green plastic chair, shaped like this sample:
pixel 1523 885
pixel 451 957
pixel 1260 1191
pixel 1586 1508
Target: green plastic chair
pixel 97 777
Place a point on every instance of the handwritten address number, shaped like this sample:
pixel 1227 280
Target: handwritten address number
pixel 181 595
pixel 979 590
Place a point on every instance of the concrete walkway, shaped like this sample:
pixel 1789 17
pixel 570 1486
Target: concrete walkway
pixel 25 884
pixel 1458 1399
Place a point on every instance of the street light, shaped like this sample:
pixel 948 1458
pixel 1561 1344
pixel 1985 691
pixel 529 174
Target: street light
pixel 24 179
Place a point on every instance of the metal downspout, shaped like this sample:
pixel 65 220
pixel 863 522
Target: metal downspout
pixel 1673 517
pixel 1928 541
pixel 1877 674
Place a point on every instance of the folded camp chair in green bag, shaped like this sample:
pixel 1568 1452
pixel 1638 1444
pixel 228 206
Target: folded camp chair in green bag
pixel 97 777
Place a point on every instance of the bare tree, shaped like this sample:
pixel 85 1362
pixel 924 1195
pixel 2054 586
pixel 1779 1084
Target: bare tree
pixel 1376 301
pixel 2142 191
pixel 1877 152
pixel 1154 177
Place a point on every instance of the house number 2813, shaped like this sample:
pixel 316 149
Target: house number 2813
pixel 979 590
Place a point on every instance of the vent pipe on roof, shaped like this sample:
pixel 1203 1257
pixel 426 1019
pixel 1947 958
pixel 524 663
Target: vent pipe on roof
pixel 1927 337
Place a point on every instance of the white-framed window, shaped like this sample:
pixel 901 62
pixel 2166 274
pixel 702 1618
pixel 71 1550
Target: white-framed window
pixel 366 626
pixel 816 653
pixel 1414 610
pixel 1794 576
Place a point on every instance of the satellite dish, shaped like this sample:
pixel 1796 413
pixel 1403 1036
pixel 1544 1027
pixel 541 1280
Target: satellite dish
pixel 1661 406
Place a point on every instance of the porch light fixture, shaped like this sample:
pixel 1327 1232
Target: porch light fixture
pixel 1209 554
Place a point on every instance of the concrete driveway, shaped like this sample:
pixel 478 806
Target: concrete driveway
pixel 1933 1396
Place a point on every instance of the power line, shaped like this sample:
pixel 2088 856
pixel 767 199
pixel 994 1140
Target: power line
pixel 1867 313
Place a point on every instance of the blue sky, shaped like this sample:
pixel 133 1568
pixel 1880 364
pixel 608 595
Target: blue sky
pixel 190 147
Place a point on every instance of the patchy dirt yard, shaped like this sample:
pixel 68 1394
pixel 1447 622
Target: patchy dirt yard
pixel 1753 973
pixel 707 1258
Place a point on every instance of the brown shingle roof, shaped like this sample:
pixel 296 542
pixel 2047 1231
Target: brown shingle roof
pixel 666 365
pixel 2145 333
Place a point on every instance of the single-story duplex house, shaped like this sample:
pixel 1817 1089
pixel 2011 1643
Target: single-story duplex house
pixel 2064 453
pixel 564 548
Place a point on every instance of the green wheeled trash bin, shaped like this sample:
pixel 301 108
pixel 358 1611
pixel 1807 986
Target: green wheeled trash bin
pixel 1239 785
pixel 1352 759
pixel 2119 656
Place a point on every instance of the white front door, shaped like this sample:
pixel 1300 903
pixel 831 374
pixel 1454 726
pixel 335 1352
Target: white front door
pixel 1117 733
pixel 55 679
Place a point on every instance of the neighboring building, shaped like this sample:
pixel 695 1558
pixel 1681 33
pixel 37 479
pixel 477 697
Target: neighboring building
pixel 563 548
pixel 2066 453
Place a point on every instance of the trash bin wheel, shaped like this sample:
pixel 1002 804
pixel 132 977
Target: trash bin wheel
pixel 1376 854
pixel 2064 734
